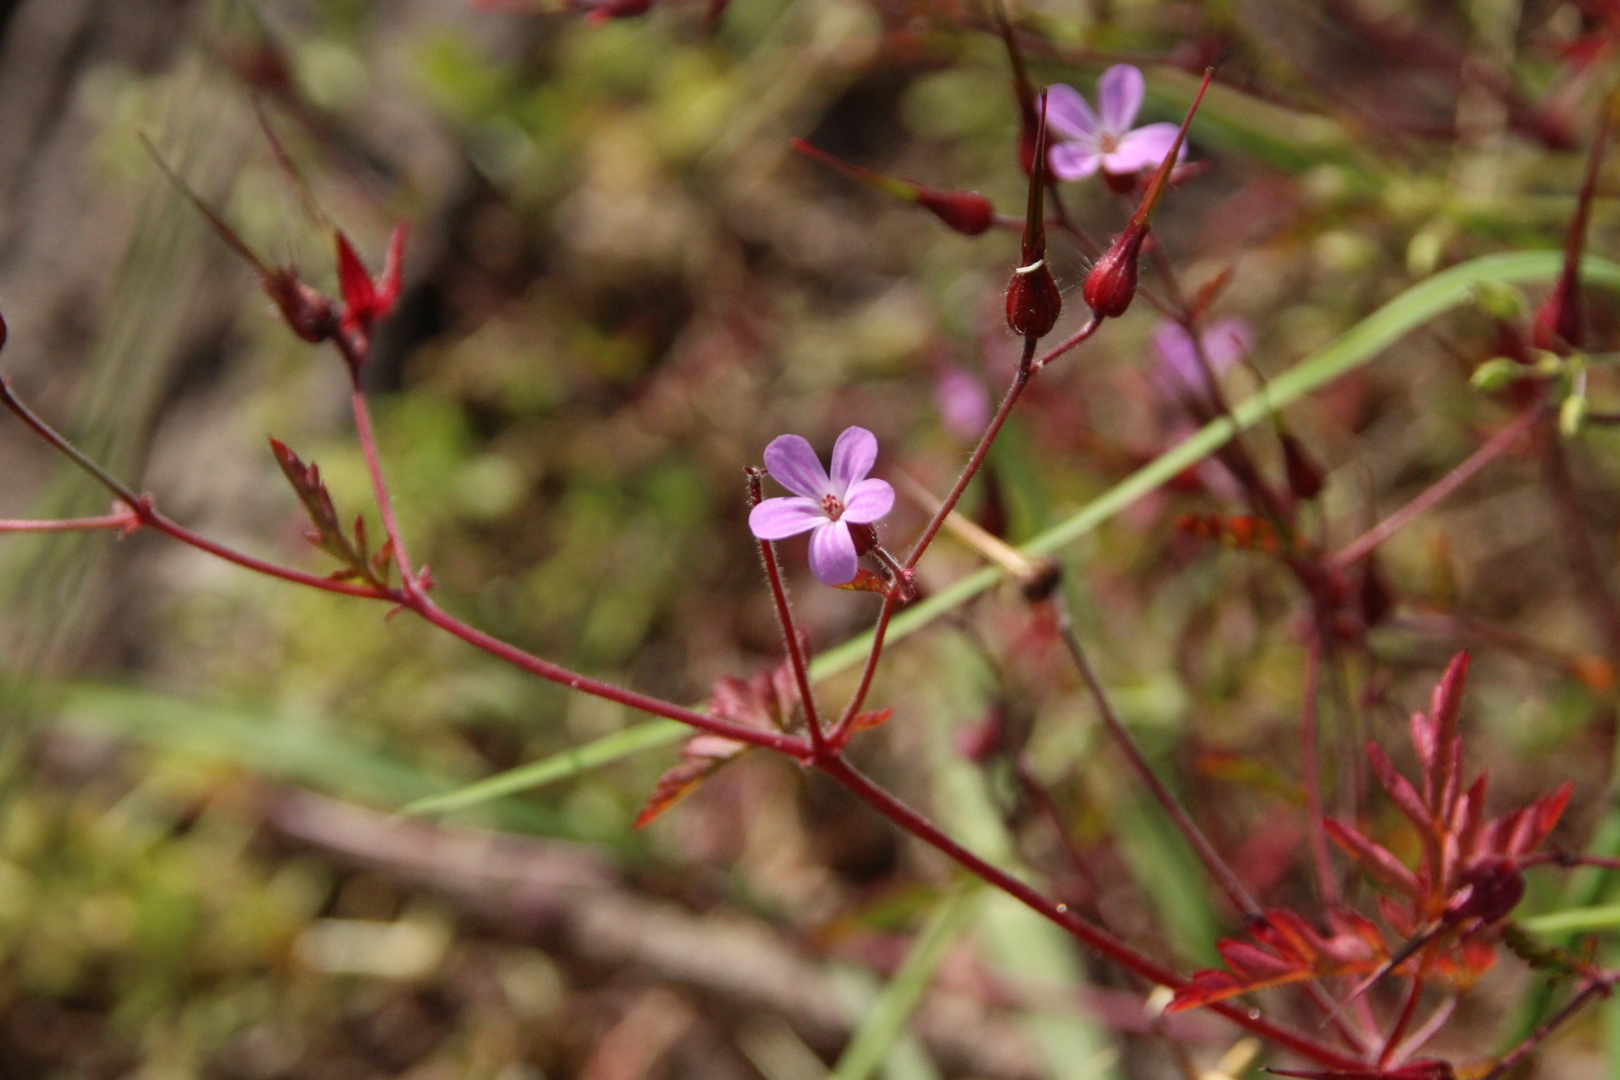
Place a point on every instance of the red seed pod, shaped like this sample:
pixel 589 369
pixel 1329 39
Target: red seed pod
pixel 1033 300
pixel 967 212
pixel 1111 285
pixel 1305 478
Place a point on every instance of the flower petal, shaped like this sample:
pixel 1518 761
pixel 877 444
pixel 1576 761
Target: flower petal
pixel 1119 97
pixel 853 455
pixel 792 462
pixel 1175 348
pixel 832 553
pixel 1070 114
pixel 1144 148
pixel 1072 160
pixel 777 519
pixel 1226 342
pixel 867 501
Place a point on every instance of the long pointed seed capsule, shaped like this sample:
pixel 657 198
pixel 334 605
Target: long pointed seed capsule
pixel 1111 285
pixel 1033 300
pixel 967 212
pixel 1558 320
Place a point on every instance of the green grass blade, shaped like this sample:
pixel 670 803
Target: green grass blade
pixel 1417 305
pixel 1574 921
pixel 591 755
pixel 885 1021
pixel 304 751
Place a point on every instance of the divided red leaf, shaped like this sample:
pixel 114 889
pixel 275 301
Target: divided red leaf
pixel 311 491
pixel 768 701
pixel 1377 861
pixel 1290 950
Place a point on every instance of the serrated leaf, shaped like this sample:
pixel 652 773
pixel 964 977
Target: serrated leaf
pixel 317 501
pixel 1375 859
pixel 676 784
pixel 1290 951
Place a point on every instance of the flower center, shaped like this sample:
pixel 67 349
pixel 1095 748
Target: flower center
pixel 832 507
pixel 1107 142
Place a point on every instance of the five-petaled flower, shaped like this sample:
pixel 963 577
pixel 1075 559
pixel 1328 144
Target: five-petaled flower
pixel 825 506
pixel 1105 141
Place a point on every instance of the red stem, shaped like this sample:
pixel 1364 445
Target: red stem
pixel 1311 765
pixel 1597 987
pixel 125 520
pixel 428 610
pixel 379 488
pixel 1364 544
pixel 857 699
pixel 790 633
pixel 1408 1010
pixel 1014 392
pixel 1092 936
pixel 1121 735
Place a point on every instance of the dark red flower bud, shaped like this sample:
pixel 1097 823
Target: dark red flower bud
pixel 1491 889
pixel 1111 285
pixel 1305 478
pixel 1375 598
pixel 309 314
pixel 967 212
pixel 1033 300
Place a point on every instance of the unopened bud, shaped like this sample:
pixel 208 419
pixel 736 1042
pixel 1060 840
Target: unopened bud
pixel 967 212
pixel 1033 300
pixel 1491 890
pixel 1499 300
pixel 1111 285
pixel 309 314
pixel 1305 478
pixel 1498 373
pixel 1571 414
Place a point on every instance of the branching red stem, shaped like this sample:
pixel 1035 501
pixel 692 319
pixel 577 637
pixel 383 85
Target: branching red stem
pixel 1092 936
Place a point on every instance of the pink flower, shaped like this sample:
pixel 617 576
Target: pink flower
pixel 824 506
pixel 1106 141
pixel 964 406
pixel 1225 343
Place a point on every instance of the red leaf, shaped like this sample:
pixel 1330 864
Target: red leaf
pixel 393 268
pixel 1290 951
pixel 359 295
pixel 1400 790
pixel 311 491
pixel 1377 861
pixel 676 784
pixel 865 720
pixel 1422 1069
pixel 1444 711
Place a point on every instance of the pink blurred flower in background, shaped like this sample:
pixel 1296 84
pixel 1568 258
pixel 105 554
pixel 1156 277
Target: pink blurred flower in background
pixel 1103 139
pixel 963 403
pixel 1225 343
pixel 822 505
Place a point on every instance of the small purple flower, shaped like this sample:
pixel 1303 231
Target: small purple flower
pixel 1106 141
pixel 1225 343
pixel 825 506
